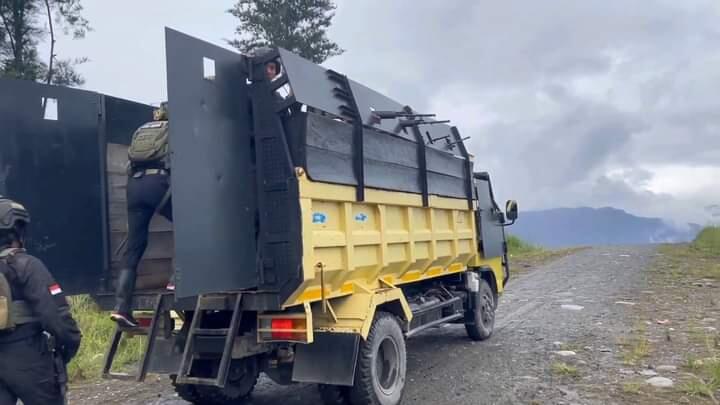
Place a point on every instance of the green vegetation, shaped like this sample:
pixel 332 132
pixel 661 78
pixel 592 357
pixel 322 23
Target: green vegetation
pixel 708 241
pixel 705 372
pixel 564 369
pixel 699 259
pixel 685 274
pixel 524 255
pixel 97 329
pixel 636 349
pixel 634 387
pixel 706 379
pixel 517 246
pixel 299 26
pixel 636 346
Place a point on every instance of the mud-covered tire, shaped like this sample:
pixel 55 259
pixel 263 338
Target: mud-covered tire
pixel 188 393
pixel 382 364
pixel 333 394
pixel 242 377
pixel 480 317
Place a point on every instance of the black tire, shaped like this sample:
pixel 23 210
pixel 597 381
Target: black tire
pixel 480 316
pixel 333 394
pixel 188 393
pixel 382 364
pixel 241 380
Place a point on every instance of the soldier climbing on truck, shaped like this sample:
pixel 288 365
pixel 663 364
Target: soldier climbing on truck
pixel 148 193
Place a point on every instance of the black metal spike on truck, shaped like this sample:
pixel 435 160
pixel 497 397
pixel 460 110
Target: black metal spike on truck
pixel 318 223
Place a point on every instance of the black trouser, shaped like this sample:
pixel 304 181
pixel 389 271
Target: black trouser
pixel 27 373
pixel 144 194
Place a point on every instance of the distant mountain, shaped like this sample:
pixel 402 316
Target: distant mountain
pixel 564 227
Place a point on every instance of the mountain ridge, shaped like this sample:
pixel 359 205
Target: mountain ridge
pixel 587 226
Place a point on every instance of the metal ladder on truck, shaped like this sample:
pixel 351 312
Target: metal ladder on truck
pixel 161 317
pixel 217 303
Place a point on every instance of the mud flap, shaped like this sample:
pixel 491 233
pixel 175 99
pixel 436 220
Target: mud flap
pixel 329 360
pixel 213 183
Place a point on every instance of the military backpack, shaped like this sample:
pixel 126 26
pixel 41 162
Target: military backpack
pixel 12 313
pixel 150 143
pixel 6 315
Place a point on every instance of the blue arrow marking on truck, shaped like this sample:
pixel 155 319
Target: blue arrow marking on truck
pixel 319 218
pixel 361 217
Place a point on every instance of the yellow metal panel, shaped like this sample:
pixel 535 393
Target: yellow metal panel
pixel 352 245
pixel 495 264
pixel 355 313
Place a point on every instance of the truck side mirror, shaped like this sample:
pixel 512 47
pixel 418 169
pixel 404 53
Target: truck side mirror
pixel 511 210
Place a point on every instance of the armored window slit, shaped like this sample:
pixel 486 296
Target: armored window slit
pixel 50 108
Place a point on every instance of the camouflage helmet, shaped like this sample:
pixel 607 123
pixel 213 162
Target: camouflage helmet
pixel 161 113
pixel 12 214
pixel 260 51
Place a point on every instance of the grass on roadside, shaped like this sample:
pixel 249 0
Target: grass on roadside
pixel 683 283
pixel 708 241
pixel 97 329
pixel 523 255
pixel 564 369
pixel 636 347
pixel 634 387
pixel 705 375
pixel 517 246
pixel 703 253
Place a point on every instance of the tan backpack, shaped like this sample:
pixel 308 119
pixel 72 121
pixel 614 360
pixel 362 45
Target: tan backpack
pixel 6 312
pixel 12 313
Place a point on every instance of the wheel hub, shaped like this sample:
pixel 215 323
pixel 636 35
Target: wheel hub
pixel 387 365
pixel 486 311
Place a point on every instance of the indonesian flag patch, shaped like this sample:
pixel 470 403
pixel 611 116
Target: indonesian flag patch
pixel 55 289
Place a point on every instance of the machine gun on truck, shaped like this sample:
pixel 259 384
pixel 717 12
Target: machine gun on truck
pixel 314 231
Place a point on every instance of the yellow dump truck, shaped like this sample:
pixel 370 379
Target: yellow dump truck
pixel 318 225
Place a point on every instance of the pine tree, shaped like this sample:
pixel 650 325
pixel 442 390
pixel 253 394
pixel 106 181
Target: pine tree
pixel 25 23
pixel 297 25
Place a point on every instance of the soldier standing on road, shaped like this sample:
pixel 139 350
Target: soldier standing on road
pixel 38 335
pixel 148 193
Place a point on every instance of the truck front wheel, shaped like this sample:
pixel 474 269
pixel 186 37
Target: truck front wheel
pixel 382 364
pixel 480 312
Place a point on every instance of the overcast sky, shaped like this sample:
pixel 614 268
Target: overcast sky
pixel 569 103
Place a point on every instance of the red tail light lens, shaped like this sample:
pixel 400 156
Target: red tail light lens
pixel 286 324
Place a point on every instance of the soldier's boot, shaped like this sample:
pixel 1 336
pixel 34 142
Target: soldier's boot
pixel 123 298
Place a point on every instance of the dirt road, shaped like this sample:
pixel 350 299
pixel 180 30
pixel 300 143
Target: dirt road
pixel 555 343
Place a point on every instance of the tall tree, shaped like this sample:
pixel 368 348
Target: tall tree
pixel 297 25
pixel 24 24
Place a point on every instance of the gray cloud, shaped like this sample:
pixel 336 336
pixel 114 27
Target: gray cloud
pixel 558 94
pixel 567 102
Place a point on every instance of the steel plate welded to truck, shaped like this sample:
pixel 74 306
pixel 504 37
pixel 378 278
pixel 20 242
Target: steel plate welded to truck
pixel 53 160
pixel 212 178
pixel 49 161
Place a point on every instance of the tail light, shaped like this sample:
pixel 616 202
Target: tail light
pixel 285 327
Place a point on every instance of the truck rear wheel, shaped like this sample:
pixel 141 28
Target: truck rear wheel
pixel 480 316
pixel 241 380
pixel 382 364
pixel 333 394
